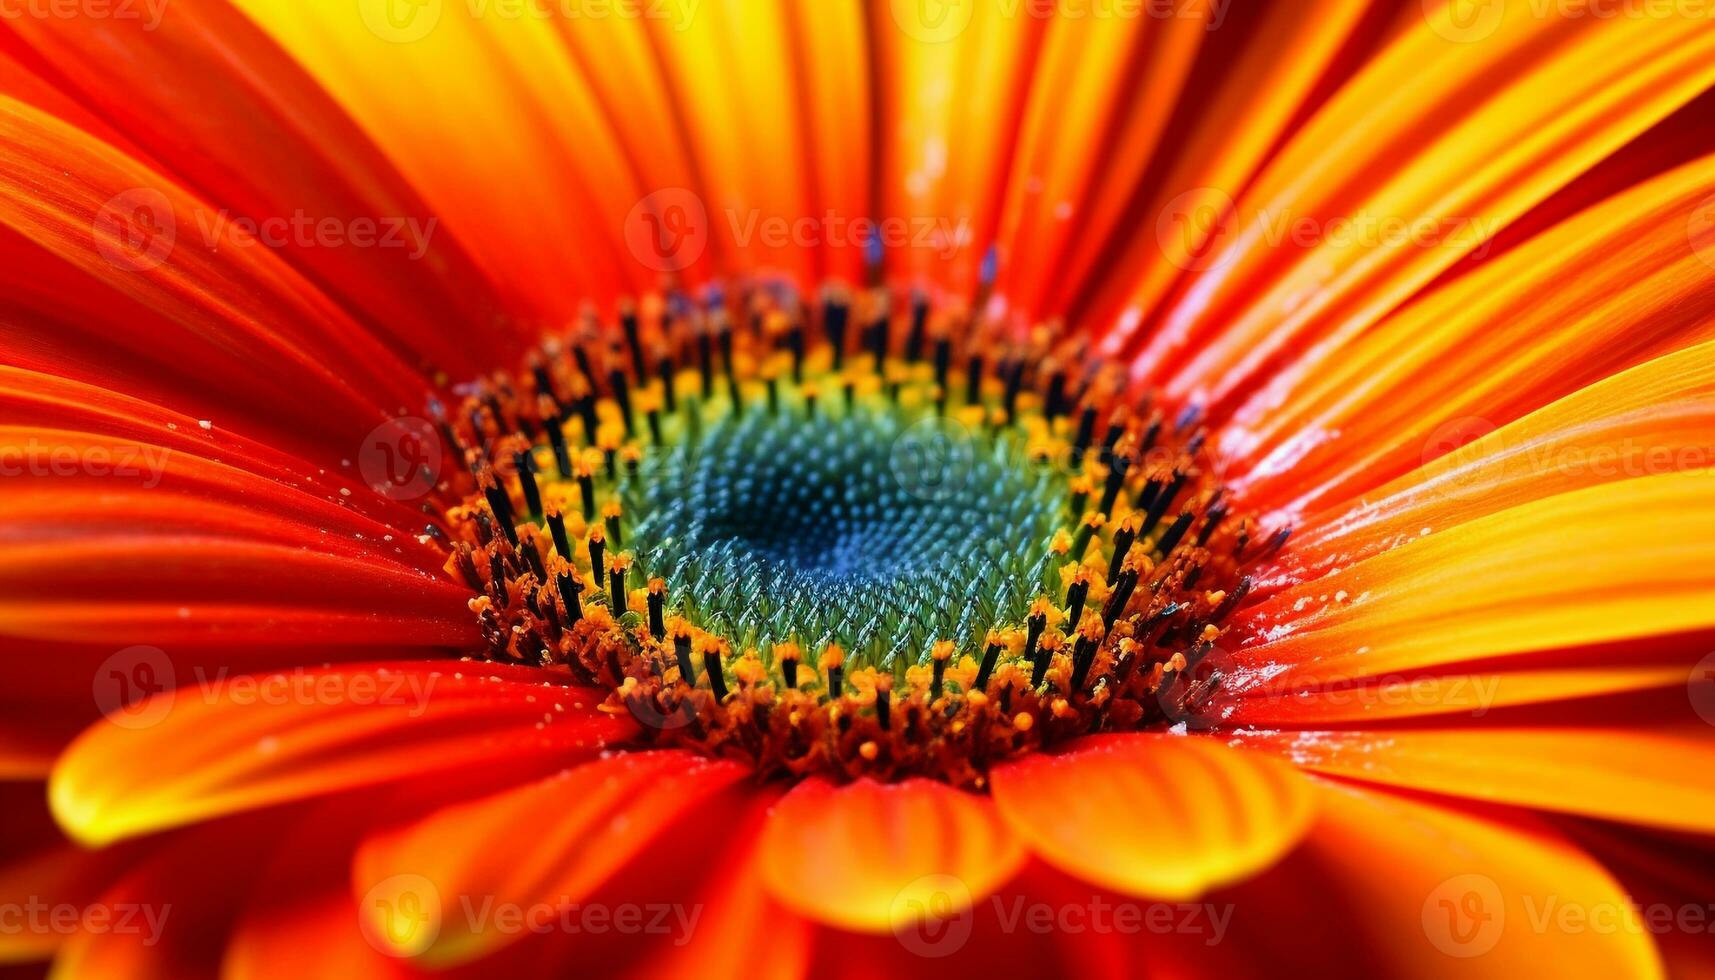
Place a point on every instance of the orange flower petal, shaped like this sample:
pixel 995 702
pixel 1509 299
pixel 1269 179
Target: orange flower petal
pixel 1611 562
pixel 540 845
pixel 1432 891
pixel 742 929
pixel 171 899
pixel 227 744
pixel 267 143
pixel 1157 816
pixel 1658 417
pixel 869 856
pixel 1636 775
pixel 39 867
pixel 227 315
pixel 1258 703
pixel 1602 292
pixel 1402 142
pixel 1251 98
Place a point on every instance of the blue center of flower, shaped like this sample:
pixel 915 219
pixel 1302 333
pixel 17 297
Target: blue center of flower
pixel 878 528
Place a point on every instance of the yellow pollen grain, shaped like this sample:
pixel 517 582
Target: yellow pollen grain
pixel 869 750
pixel 1023 721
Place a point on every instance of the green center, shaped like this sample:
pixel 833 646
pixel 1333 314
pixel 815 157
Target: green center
pixel 881 529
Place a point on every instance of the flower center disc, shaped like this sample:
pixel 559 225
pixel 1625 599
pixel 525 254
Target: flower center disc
pixel 771 547
pixel 874 529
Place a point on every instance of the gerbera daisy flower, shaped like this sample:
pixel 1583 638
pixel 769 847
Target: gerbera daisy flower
pixel 838 488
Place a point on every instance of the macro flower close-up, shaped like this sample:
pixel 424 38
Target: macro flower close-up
pixel 857 488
